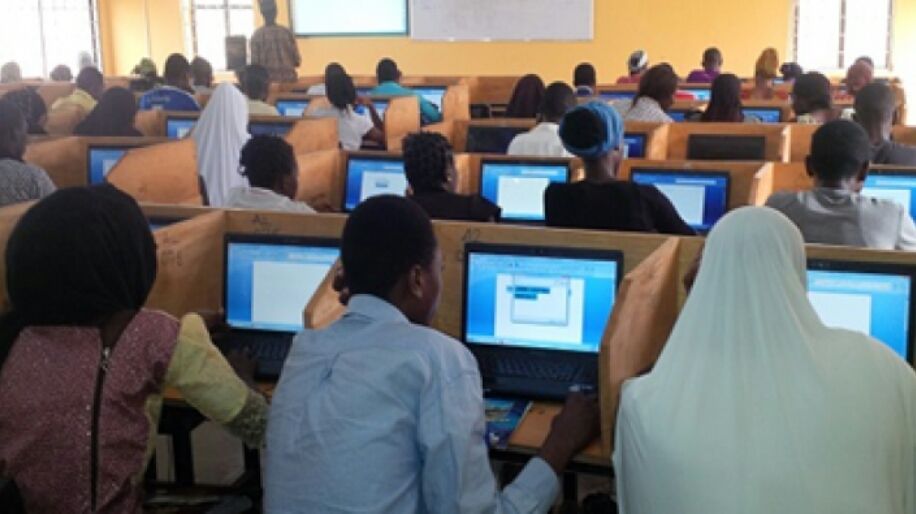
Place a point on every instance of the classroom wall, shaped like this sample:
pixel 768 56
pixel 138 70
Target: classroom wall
pixel 126 36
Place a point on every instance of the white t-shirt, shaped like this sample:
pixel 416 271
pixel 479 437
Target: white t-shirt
pixel 350 125
pixel 257 198
pixel 317 90
pixel 541 141
pixel 259 108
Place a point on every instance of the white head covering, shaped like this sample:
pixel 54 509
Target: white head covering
pixel 220 134
pixel 755 406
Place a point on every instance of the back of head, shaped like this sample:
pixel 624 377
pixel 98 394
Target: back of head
pixel 256 82
pixel 61 73
pixel 592 131
pixel 112 117
pixel 811 92
pixel 33 107
pixel 712 59
pixel 202 71
pixel 177 70
pixel 266 161
pixel 791 71
pixel 858 76
pixel 875 104
pixel 638 62
pixel 658 83
pixel 340 90
pixel 146 68
pixel 585 75
pixel 79 256
pixel 725 101
pixel 427 160
pixel 90 80
pixel 268 10
pixel 840 150
pixel 387 71
pixel 383 239
pixel 767 64
pixel 526 97
pixel 333 69
pixel 13 130
pixel 559 98
pixel 866 60
pixel 10 72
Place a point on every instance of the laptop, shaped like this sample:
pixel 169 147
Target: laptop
pixel 268 282
pixel 700 197
pixel 678 115
pixel 534 316
pixel 292 108
pixel 432 94
pixel 493 140
pixel 270 128
pixel 179 128
pixel 895 185
pixel 635 146
pixel 726 148
pixel 613 96
pixel 101 159
pixel 702 94
pixel 517 186
pixel 373 175
pixel 764 114
pixel 875 299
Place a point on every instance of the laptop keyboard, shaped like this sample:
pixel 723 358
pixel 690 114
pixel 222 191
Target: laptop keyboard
pixel 538 369
pixel 260 348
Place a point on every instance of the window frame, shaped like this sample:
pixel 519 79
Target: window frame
pixel 226 6
pixel 95 38
pixel 841 66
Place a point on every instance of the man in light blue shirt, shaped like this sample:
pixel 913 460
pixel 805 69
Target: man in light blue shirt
pixel 379 413
pixel 389 77
pixel 174 95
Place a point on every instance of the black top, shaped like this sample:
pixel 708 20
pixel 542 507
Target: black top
pixel 445 205
pixel 889 152
pixel 622 206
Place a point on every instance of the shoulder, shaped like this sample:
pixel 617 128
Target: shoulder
pixel 445 354
pixel 784 199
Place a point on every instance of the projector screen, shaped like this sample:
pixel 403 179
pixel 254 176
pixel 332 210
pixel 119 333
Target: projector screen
pixel 349 17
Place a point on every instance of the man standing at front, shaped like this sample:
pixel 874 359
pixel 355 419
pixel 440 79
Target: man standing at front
pixel 274 47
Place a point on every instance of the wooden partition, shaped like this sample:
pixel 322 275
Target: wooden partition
pixel 322 179
pixel 777 137
pixel 67 159
pixel 492 90
pixel 401 118
pixel 904 134
pixel 800 136
pixel 313 135
pixel 150 123
pixel 165 173
pixel 742 190
pixel 63 120
pixel 456 103
pixel 791 176
pixel 656 137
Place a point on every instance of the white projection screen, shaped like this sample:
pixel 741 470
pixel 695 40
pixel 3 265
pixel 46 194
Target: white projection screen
pixel 349 17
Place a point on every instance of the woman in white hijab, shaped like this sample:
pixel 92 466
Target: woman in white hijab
pixel 755 406
pixel 220 134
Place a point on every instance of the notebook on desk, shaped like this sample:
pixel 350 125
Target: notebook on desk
pixel 534 316
pixel 268 281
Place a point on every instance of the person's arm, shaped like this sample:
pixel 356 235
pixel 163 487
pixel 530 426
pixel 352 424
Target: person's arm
pixel 664 215
pixel 906 240
pixel 208 383
pixel 44 184
pixel 377 120
pixel 429 112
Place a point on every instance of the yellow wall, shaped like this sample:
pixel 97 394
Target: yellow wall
pixel 127 38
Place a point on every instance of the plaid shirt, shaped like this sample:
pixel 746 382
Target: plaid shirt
pixel 274 47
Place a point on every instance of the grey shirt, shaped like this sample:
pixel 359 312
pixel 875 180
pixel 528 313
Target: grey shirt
pixel 838 217
pixel 21 182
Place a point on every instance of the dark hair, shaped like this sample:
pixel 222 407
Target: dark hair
pixel 113 116
pixel 202 71
pixel 32 106
pixel 13 128
pixel 383 239
pixel 712 55
pixel 582 128
pixel 875 103
pixel 658 83
pixel 268 10
pixel 526 98
pixel 811 92
pixel 265 159
pixel 558 99
pixel 61 73
pixel 340 90
pixel 387 71
pixel 791 71
pixel 176 68
pixel 839 150
pixel 725 102
pixel 867 60
pixel 257 81
pixel 585 75
pixel 427 158
pixel 90 80
pixel 333 69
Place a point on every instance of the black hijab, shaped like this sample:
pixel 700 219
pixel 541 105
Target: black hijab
pixel 76 258
pixel 112 117
pixel 526 98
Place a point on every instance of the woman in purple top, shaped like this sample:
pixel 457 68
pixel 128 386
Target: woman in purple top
pixel 712 66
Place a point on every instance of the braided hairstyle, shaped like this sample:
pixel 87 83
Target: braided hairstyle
pixel 428 161
pixel 266 160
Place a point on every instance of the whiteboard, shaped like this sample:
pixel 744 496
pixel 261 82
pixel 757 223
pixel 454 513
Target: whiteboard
pixel 510 20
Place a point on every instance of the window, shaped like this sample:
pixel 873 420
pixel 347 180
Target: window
pixel 209 22
pixel 831 34
pixel 41 34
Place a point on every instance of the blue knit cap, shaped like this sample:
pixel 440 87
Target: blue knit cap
pixel 606 140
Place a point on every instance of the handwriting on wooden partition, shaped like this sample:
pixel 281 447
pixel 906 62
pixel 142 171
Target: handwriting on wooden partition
pixel 263 225
pixel 470 235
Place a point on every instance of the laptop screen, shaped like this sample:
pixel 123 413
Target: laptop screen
pixel 101 160
pixel 678 116
pixel 555 299
pixel 274 128
pixel 897 186
pixel 702 94
pixel 764 114
pixel 373 176
pixel 179 128
pixel 494 140
pixel 610 96
pixel 518 187
pixel 268 282
pixel 870 298
pixel 292 108
pixel 432 94
pixel 726 148
pixel 701 198
pixel 636 146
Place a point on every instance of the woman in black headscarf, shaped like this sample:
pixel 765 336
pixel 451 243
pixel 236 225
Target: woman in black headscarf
pixel 725 101
pixel 112 117
pixel 526 98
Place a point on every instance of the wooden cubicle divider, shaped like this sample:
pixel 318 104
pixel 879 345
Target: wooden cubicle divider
pixel 401 118
pixel 792 176
pixel 64 159
pixel 50 92
pixel 321 179
pixel 63 120
pixel 324 308
pixel 456 103
pixel 313 135
pixel 777 137
pixel 656 137
pixel 491 90
pixel 164 173
pixel 762 186
pixel 904 134
pixel 150 123
pixel 800 137
pixel 741 191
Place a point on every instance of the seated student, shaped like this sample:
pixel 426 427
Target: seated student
pixel 269 164
pixel 83 365
pixel 147 76
pixel 875 107
pixel 858 76
pixel 202 72
pixel 812 100
pixel 257 86
pixel 594 132
pixel 33 107
pixel 430 168
pixel 585 80
pixel 389 77
pixel 61 73
pixel 751 408
pixel 544 139
pixel 526 98
pixel 654 97
pixel 407 397
pixel 790 72
pixel 10 73
pixel 725 101
pixel 175 95
pixel 353 128
pixel 712 66
pixel 19 182
pixel 90 84
pixel 765 72
pixel 219 136
pixel 112 117
pixel 835 212
pixel 321 89
pixel 637 64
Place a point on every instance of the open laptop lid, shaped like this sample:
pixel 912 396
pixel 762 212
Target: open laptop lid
pixel 700 197
pixel 268 280
pixel 538 298
pixel 371 175
pixel 896 185
pixel 517 185
pixel 100 159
